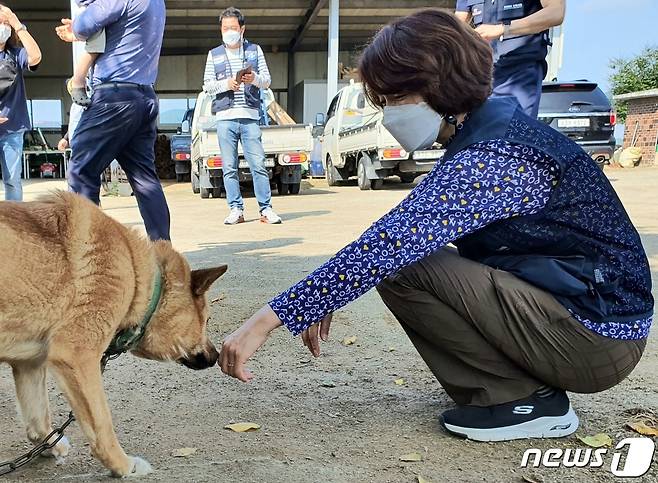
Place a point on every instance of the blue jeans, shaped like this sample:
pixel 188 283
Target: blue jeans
pixel 522 81
pixel 247 132
pixel 121 124
pixel 11 161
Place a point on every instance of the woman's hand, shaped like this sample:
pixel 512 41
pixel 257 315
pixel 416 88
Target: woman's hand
pixel 244 342
pixel 65 31
pixel 310 335
pixel 3 120
pixel 63 144
pixel 11 18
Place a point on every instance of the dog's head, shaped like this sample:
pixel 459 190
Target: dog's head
pixel 177 331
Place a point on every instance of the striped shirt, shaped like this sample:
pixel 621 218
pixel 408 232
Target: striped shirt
pixel 212 86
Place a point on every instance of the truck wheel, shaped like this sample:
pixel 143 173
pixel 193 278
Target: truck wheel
pixel 364 182
pixel 376 184
pixel 331 173
pixel 205 193
pixel 294 188
pixel 183 178
pixel 195 183
pixel 216 192
pixel 407 177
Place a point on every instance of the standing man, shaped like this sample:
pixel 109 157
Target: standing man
pixel 122 119
pixel 518 33
pixel 237 108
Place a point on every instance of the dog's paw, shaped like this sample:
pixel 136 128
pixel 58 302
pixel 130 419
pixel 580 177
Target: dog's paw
pixel 140 467
pixel 59 451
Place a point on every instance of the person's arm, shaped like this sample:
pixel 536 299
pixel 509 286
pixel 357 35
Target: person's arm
pixel 213 86
pixel 481 185
pixel 463 12
pixel 29 44
pixel 263 79
pixel 97 16
pixel 551 15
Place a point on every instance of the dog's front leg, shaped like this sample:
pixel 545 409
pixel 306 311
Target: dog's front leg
pixel 32 395
pixel 83 386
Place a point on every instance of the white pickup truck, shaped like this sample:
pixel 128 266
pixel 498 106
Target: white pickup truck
pixel 287 148
pixel 355 143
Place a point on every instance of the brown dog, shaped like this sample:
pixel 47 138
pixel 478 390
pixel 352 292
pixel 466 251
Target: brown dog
pixel 71 280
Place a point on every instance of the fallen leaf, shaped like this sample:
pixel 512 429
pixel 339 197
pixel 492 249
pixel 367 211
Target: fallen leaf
pixel 597 441
pixel 391 349
pixel 643 429
pixel 328 384
pixel 527 479
pixel 400 382
pixel 183 452
pixel 420 479
pixel 349 340
pixel 412 457
pixel 242 427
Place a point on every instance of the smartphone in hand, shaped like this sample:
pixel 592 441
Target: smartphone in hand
pixel 242 72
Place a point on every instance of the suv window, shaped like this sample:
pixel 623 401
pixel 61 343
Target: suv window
pixel 560 97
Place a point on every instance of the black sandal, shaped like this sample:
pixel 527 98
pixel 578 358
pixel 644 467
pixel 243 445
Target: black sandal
pixel 78 94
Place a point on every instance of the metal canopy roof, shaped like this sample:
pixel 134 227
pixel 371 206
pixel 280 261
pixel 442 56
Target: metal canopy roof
pixel 277 25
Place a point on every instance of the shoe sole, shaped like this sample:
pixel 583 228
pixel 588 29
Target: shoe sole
pixel 263 219
pixel 240 220
pixel 544 427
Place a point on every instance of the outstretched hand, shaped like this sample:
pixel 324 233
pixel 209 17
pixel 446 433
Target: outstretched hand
pixel 238 347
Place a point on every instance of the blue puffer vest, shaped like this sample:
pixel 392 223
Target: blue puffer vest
pixel 582 247
pixel 225 100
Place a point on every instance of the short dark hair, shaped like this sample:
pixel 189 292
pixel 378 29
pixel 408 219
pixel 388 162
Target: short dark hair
pixel 232 12
pixel 431 53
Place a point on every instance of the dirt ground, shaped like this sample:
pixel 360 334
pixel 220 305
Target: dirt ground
pixel 340 418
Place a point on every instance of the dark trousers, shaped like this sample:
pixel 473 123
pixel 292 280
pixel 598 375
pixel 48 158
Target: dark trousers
pixel 522 81
pixel 121 124
pixel 491 338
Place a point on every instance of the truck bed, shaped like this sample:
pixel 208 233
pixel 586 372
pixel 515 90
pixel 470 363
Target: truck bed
pixel 276 139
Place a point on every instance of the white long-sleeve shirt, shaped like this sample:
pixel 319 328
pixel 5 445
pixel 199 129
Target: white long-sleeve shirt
pixel 212 86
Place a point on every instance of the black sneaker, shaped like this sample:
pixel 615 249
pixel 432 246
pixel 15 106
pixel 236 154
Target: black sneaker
pixel 545 414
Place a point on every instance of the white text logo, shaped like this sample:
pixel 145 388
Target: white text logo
pixel 632 457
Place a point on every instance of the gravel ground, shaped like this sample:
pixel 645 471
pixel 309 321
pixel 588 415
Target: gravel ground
pixel 340 418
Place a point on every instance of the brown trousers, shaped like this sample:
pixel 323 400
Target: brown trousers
pixel 490 338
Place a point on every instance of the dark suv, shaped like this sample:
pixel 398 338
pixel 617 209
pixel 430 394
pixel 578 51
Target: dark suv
pixel 582 112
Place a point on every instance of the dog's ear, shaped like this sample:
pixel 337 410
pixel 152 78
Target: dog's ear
pixel 204 278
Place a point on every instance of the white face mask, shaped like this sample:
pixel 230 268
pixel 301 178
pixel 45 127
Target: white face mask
pixel 231 37
pixel 414 126
pixel 5 33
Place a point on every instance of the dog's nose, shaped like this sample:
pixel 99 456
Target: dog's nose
pixel 201 360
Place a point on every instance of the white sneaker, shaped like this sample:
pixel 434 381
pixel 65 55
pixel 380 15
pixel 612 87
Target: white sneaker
pixel 234 217
pixel 269 216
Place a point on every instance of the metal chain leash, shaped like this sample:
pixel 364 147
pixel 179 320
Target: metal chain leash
pixel 11 466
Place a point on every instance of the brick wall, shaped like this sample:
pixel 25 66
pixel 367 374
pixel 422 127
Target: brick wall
pixel 644 111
